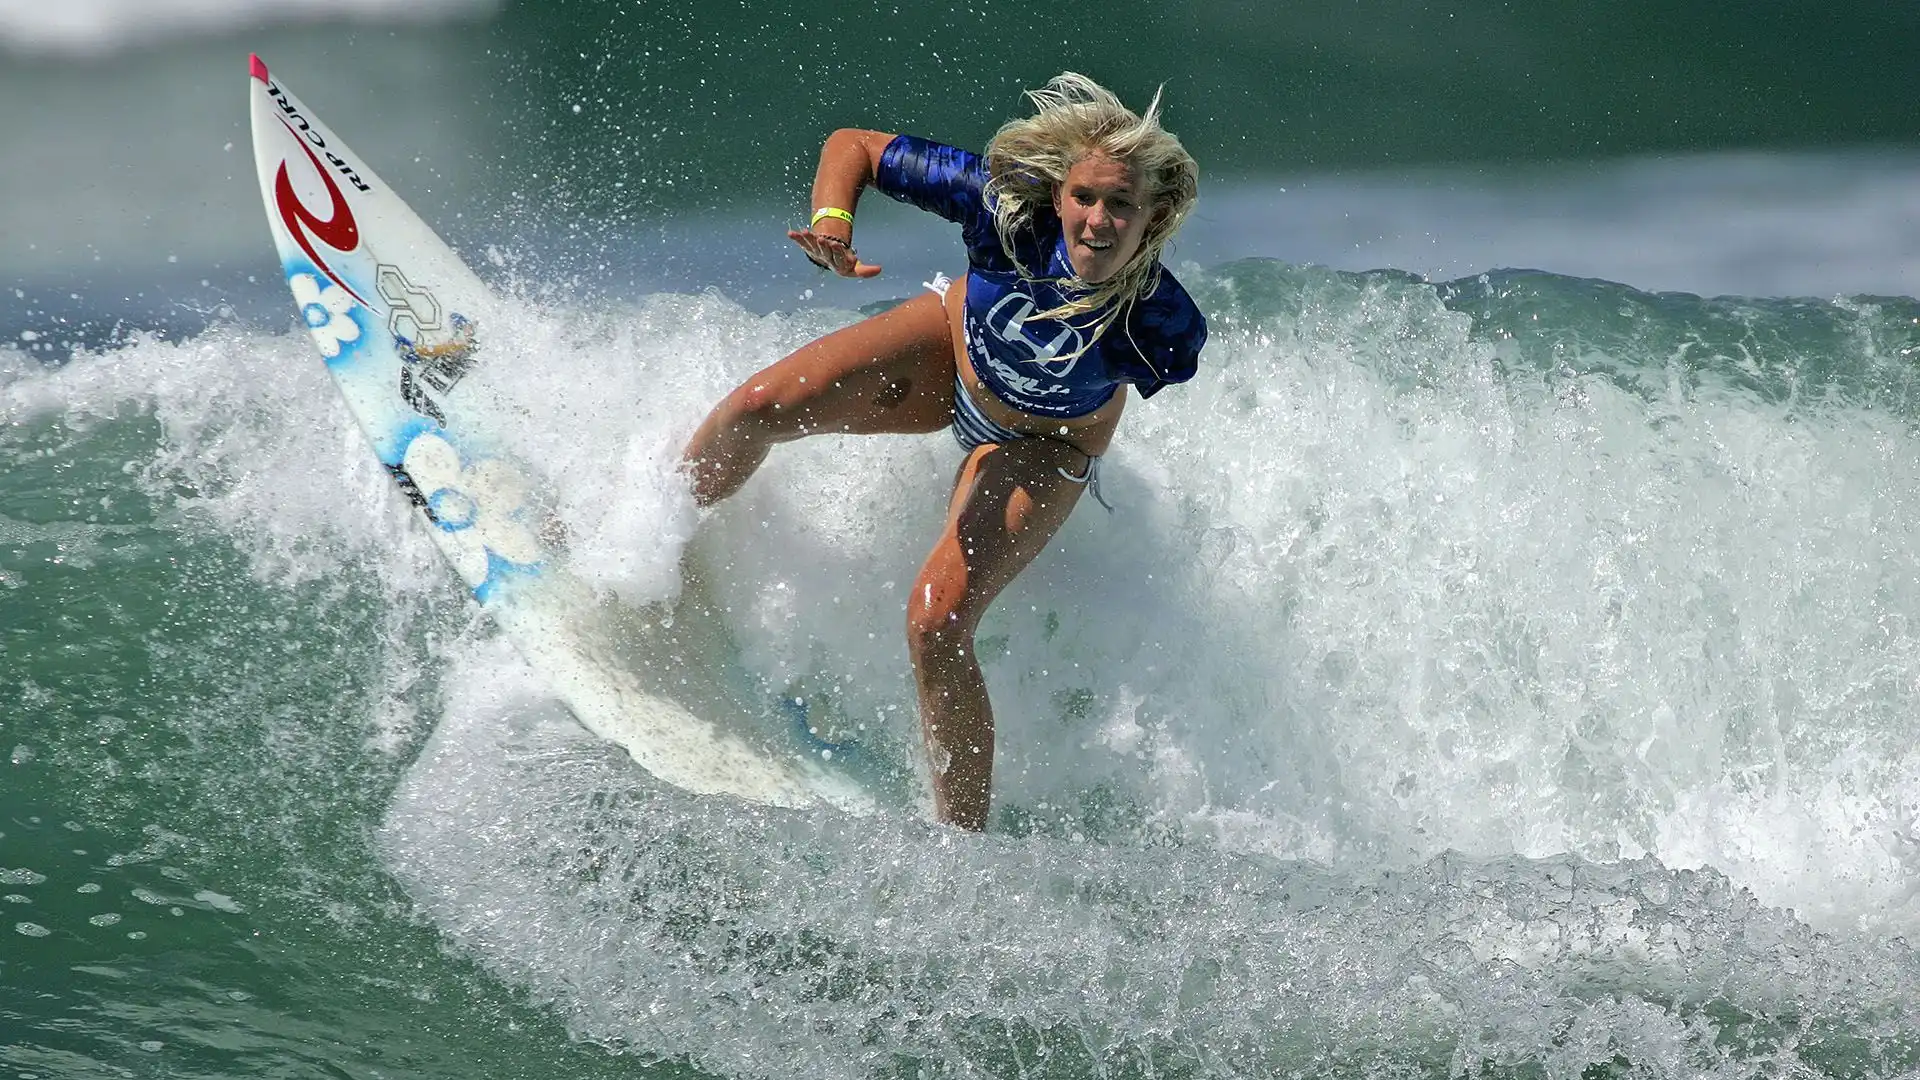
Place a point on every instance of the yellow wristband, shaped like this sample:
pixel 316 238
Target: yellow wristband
pixel 830 212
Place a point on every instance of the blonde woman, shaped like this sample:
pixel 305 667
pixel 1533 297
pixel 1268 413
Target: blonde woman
pixel 1028 359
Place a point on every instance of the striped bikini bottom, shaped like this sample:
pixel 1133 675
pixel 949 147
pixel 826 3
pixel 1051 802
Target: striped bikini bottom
pixel 973 428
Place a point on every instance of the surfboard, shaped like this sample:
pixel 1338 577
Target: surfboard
pixel 401 324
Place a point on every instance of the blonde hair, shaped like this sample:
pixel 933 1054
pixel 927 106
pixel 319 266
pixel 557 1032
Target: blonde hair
pixel 1028 159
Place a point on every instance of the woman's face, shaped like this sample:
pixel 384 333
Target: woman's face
pixel 1103 215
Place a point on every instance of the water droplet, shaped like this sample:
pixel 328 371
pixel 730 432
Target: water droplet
pixel 218 902
pixel 105 918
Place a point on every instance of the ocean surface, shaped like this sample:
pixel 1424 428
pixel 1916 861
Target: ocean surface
pixel 1503 659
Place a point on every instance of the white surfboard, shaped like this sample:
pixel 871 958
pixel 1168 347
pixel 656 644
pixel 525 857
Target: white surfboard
pixel 400 322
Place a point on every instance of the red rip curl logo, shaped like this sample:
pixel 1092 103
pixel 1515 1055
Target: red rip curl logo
pixel 338 230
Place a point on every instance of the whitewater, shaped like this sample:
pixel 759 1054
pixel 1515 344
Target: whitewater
pixel 1509 671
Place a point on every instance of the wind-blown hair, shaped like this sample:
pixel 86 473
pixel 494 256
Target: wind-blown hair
pixel 1028 159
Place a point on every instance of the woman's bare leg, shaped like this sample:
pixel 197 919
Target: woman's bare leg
pixel 1008 501
pixel 890 373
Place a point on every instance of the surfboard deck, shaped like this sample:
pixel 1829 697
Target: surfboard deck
pixel 401 323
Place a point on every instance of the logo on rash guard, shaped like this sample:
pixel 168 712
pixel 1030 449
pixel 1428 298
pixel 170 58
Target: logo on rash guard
pixel 1024 391
pixel 338 230
pixel 1008 318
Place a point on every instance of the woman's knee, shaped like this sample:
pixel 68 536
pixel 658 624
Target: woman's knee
pixel 772 404
pixel 941 614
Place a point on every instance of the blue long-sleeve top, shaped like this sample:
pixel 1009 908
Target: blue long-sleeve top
pixel 1040 366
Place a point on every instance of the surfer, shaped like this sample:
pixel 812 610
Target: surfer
pixel 1027 358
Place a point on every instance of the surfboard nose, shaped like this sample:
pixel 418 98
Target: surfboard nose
pixel 257 66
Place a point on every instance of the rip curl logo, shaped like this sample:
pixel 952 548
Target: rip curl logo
pixel 1008 321
pixel 338 230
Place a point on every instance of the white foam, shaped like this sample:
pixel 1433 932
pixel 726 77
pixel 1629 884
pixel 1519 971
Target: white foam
pixel 1354 610
pixel 755 941
pixel 1366 598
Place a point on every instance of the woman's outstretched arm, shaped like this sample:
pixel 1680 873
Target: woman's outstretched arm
pixel 849 161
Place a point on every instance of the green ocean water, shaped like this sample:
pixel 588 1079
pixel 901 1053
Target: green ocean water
pixel 1508 676
pixel 729 96
pixel 184 899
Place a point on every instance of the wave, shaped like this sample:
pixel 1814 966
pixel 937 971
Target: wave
pixel 1514 662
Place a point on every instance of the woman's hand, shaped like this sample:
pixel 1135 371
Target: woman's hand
pixel 831 253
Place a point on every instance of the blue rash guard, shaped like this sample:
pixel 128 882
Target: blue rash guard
pixel 1040 366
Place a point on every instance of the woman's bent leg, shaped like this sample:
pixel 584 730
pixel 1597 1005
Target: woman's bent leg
pixel 1008 502
pixel 890 373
